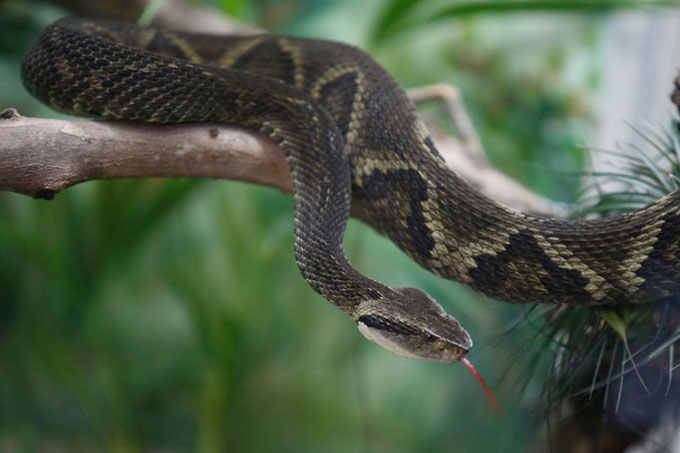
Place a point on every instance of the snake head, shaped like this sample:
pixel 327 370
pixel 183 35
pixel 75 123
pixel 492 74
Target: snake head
pixel 408 322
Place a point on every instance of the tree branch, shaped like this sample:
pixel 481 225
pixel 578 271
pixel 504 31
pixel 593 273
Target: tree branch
pixel 40 157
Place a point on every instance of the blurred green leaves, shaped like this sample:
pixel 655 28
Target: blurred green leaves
pixel 400 15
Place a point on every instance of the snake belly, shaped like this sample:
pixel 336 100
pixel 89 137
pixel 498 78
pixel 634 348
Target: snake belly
pixel 351 136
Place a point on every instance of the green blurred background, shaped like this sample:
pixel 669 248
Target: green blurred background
pixel 169 315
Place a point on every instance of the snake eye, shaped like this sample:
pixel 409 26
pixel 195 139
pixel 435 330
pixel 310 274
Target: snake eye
pixel 387 325
pixel 429 337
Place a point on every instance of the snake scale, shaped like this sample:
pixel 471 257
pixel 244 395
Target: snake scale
pixel 352 138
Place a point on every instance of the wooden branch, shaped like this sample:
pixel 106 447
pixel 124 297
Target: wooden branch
pixel 476 170
pixel 40 157
pixel 465 154
pixel 457 112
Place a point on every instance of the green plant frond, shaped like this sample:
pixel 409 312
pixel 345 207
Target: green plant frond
pixel 671 368
pixel 675 142
pixel 597 348
pixel 664 151
pixel 598 364
pixel 674 338
pixel 637 181
pixel 655 172
pixel 614 321
pixel 621 155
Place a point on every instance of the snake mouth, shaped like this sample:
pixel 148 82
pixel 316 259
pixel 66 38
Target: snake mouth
pixel 444 351
pixel 409 341
pixel 454 353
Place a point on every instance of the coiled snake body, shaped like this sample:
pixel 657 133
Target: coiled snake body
pixel 351 136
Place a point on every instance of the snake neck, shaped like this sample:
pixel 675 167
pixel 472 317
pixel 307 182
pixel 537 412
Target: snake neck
pixel 81 68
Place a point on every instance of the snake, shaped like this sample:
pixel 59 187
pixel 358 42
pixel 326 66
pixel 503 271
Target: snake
pixel 354 143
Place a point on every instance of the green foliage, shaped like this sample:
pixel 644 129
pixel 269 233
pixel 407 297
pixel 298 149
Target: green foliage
pixel 609 357
pixel 401 15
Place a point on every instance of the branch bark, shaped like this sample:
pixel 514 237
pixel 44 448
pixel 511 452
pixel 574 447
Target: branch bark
pixel 40 157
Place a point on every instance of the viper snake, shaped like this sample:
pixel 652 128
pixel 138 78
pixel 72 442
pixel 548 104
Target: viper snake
pixel 353 140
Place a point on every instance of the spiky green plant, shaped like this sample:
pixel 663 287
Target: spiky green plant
pixel 614 369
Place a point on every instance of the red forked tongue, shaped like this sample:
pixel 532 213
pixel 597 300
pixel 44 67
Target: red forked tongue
pixel 492 398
